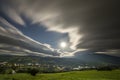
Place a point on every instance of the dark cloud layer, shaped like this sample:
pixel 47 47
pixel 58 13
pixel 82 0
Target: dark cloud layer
pixel 92 25
pixel 13 41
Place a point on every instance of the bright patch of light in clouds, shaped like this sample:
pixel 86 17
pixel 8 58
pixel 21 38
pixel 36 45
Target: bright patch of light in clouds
pixel 63 44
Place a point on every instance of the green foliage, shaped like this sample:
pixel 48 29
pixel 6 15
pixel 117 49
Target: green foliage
pixel 105 68
pixel 2 70
pixel 22 70
pixel 74 75
pixel 33 71
pixel 8 71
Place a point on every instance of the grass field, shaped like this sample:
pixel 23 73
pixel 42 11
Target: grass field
pixel 74 75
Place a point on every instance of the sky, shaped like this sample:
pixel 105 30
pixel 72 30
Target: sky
pixel 37 27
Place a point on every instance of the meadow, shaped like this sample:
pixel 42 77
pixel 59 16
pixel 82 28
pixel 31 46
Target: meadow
pixel 73 75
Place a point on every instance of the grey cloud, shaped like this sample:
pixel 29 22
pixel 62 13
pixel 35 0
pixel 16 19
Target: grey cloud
pixel 14 40
pixel 10 11
pixel 92 25
pixel 114 52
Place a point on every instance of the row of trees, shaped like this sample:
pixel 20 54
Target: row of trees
pixel 32 71
pixel 5 69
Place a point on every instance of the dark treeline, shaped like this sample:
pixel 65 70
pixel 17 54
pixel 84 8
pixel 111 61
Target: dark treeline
pixel 9 68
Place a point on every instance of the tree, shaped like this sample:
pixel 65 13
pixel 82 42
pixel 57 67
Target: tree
pixel 33 71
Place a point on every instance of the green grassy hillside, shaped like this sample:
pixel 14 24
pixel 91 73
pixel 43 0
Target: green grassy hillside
pixel 74 75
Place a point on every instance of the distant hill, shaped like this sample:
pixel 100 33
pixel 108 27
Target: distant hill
pixel 83 59
pixel 98 59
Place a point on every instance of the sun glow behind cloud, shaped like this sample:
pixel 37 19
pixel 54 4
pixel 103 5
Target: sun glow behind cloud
pixel 63 44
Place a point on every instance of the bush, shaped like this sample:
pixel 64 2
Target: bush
pixel 22 70
pixel 2 70
pixel 105 68
pixel 8 71
pixel 33 71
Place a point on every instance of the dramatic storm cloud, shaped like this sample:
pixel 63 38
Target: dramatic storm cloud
pixel 91 25
pixel 13 41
